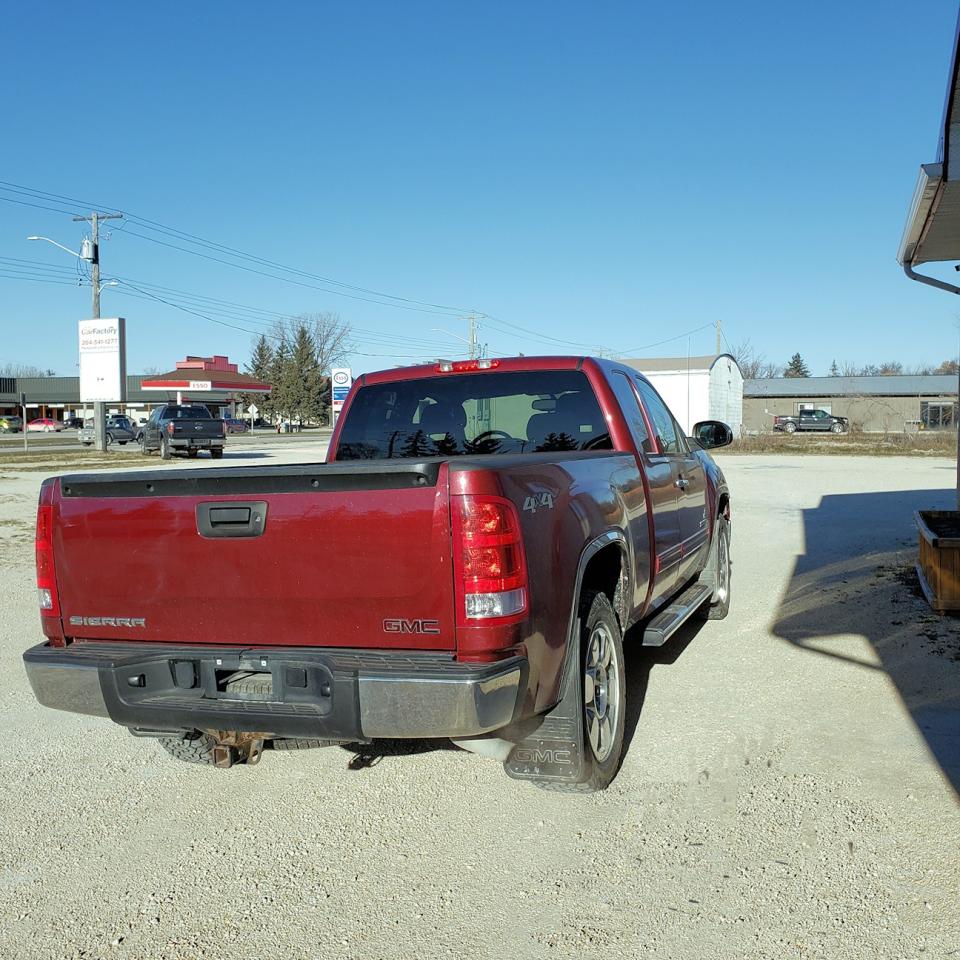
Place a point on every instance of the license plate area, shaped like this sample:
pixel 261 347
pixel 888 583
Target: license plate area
pixel 201 442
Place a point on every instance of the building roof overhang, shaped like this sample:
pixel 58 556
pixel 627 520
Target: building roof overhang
pixel 206 381
pixel 932 231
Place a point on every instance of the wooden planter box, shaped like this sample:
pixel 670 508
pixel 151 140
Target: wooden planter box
pixel 939 565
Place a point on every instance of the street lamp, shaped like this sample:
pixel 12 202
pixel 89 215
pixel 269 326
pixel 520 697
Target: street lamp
pixel 90 253
pixel 86 251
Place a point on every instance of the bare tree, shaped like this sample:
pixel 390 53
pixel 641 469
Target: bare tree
pixel 24 370
pixel 330 336
pixel 753 364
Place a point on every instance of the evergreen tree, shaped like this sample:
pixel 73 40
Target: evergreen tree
pixel 796 367
pixel 834 370
pixel 295 358
pixel 303 378
pixel 279 368
pixel 260 367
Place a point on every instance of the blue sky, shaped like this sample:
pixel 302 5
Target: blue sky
pixel 594 173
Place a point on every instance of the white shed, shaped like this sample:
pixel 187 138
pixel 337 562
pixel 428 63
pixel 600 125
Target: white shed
pixel 697 388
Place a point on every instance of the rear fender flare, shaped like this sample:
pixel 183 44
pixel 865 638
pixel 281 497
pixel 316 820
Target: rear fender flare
pixel 589 552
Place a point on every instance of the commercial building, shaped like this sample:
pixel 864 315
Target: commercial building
pixel 697 388
pixel 213 381
pixel 873 404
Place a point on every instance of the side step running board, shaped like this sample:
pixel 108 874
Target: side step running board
pixel 670 619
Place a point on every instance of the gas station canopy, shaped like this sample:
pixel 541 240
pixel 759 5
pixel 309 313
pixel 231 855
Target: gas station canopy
pixel 205 375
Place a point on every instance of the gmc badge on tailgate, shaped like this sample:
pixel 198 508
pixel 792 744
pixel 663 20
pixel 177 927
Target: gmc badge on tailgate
pixel 411 626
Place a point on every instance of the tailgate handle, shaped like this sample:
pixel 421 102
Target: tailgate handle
pixel 234 519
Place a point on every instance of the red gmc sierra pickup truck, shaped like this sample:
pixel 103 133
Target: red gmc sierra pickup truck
pixel 464 566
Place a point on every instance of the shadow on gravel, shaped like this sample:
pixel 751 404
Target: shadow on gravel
pixel 856 577
pixel 639 661
pixel 366 755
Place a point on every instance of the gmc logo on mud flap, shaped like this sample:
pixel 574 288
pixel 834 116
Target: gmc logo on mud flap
pixel 411 626
pixel 527 755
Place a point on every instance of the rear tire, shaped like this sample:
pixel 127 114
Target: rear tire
pixel 216 453
pixel 192 454
pixel 195 747
pixel 245 682
pixel 790 428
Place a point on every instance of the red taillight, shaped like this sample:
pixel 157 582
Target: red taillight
pixel 170 428
pixel 489 563
pixel 46 575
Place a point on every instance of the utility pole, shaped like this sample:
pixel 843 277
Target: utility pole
pixel 472 342
pixel 99 407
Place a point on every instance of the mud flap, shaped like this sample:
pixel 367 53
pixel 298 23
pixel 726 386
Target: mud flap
pixel 553 752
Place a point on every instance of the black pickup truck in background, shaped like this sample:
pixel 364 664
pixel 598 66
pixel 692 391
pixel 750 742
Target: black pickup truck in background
pixel 183 429
pixel 812 420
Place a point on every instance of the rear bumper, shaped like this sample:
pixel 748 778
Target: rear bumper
pixel 324 693
pixel 203 443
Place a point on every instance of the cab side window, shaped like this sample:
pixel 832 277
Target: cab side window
pixel 630 406
pixel 663 423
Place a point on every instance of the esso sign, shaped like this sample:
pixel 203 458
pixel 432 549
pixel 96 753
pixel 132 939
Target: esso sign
pixel 341 379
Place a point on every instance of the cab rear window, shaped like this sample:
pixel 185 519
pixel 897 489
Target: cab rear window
pixel 474 414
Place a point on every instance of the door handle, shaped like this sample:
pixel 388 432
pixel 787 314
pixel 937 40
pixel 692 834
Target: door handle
pixel 680 483
pixel 232 519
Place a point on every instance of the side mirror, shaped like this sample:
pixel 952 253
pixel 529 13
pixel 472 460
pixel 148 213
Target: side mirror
pixel 712 433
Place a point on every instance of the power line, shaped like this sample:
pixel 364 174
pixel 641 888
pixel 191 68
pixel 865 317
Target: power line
pixel 679 336
pixel 267 334
pixel 501 324
pixel 39 206
pixel 407 303
pixel 198 301
pixel 38 265
pixel 13 276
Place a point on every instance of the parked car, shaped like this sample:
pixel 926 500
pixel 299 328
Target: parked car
pixel 235 425
pixel 183 429
pixel 465 565
pixel 44 425
pixel 73 423
pixel 119 430
pixel 812 420
pixel 10 423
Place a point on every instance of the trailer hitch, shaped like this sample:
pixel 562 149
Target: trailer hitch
pixel 237 746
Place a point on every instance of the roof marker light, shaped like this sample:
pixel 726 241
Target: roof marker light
pixel 466 366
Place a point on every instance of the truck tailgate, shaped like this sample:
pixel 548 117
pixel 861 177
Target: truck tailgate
pixel 346 555
pixel 196 429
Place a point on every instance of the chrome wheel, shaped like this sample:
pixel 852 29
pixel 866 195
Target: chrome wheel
pixel 601 691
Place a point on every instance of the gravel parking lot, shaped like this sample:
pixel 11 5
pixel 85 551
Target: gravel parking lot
pixel 790 788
